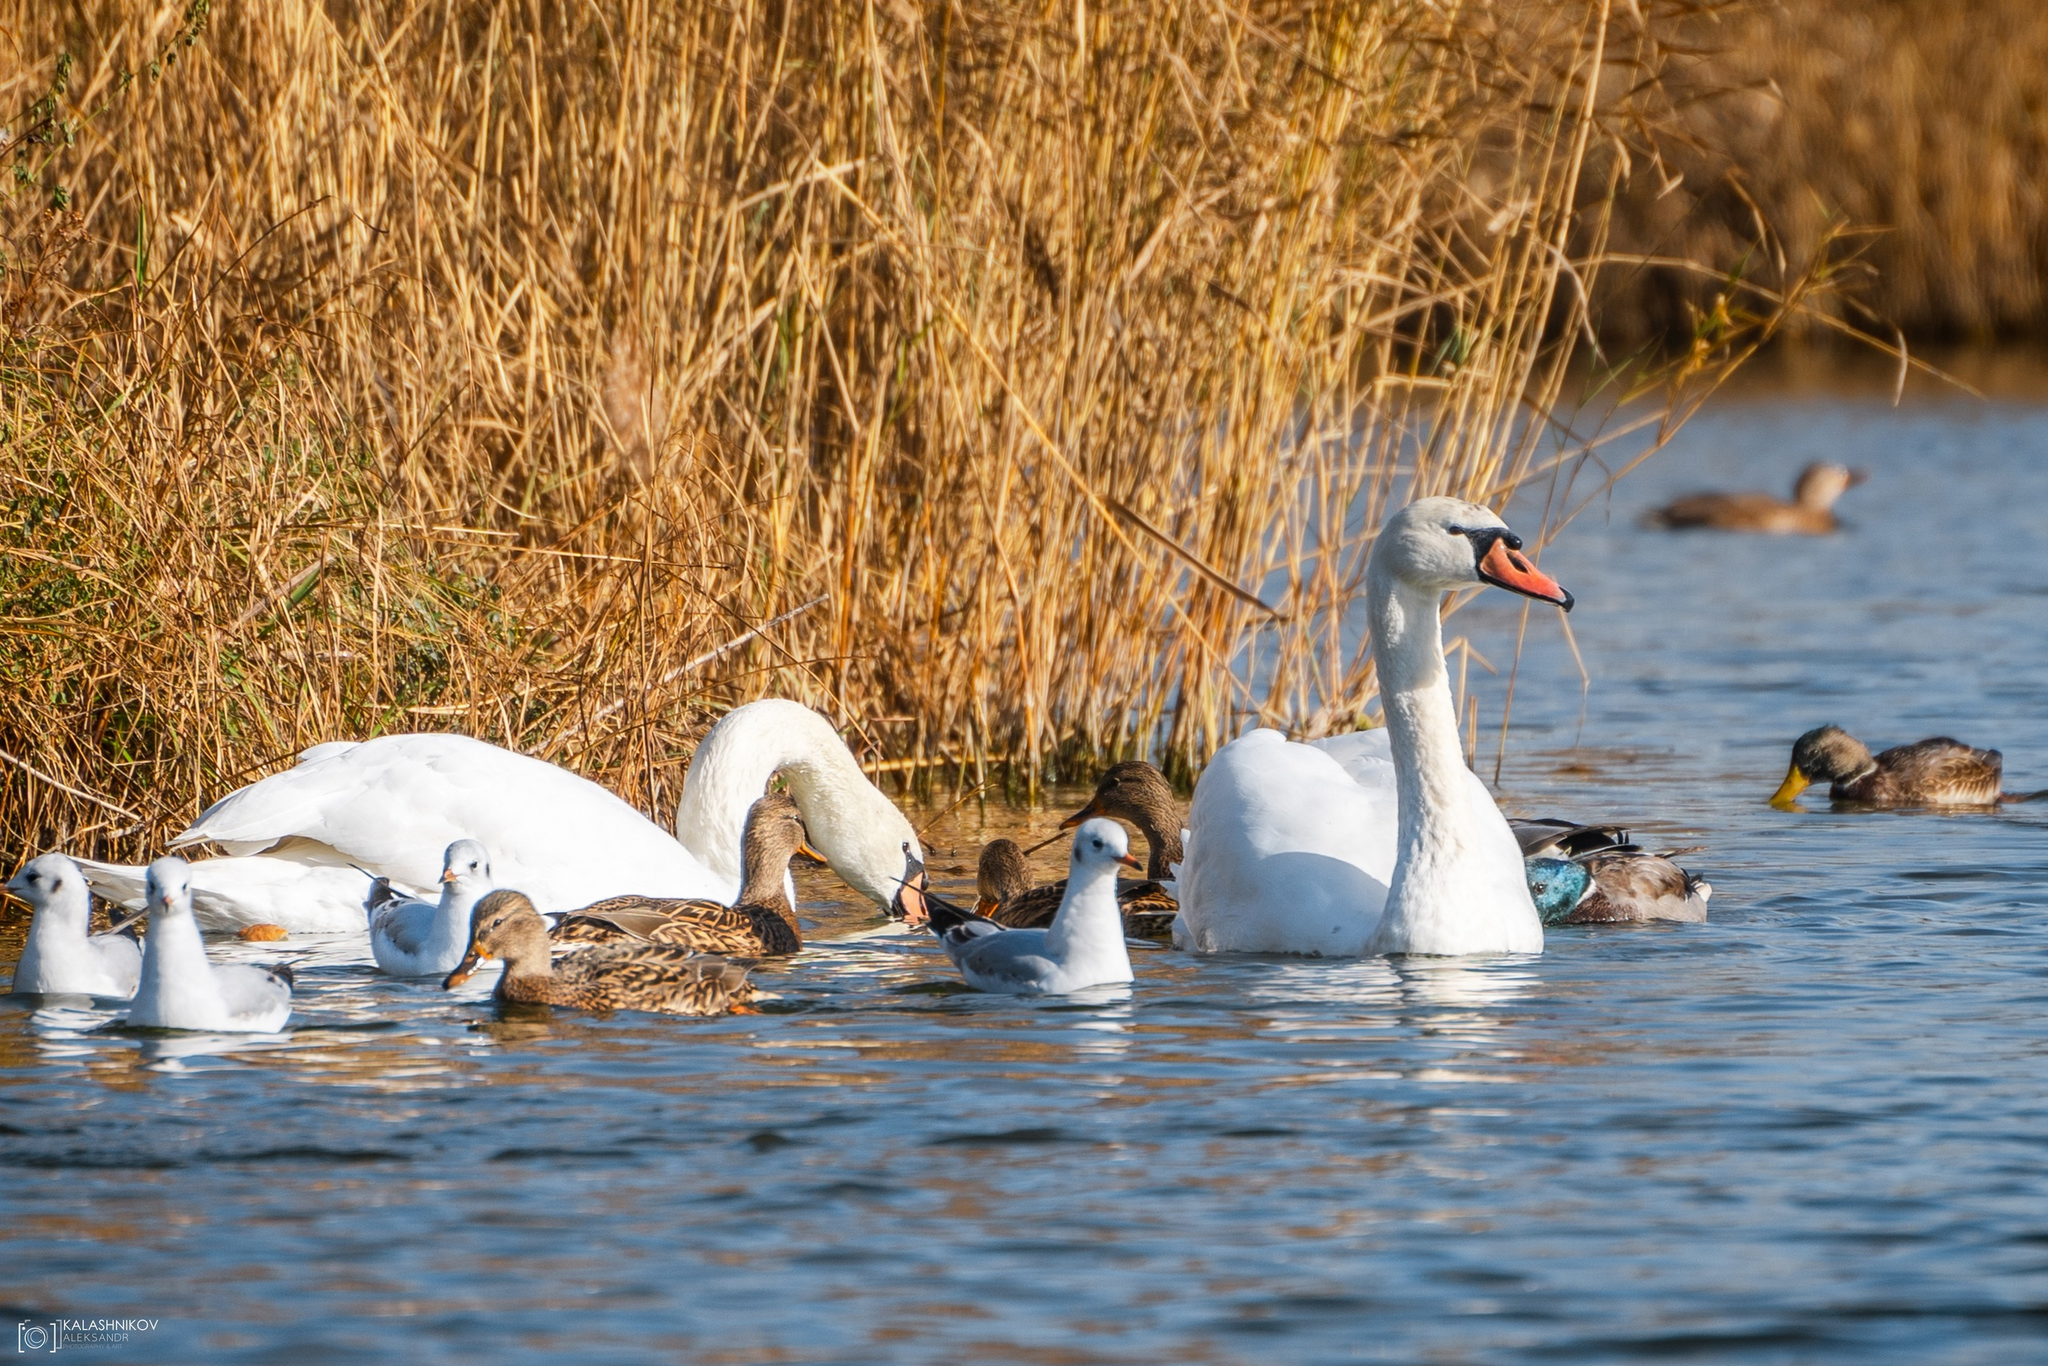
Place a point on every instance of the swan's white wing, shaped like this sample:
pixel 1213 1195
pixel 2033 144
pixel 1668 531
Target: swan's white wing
pixel 1367 755
pixel 253 998
pixel 306 888
pixel 1290 847
pixel 394 804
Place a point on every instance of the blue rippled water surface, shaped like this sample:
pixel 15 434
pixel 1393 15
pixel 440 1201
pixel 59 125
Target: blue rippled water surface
pixel 1811 1130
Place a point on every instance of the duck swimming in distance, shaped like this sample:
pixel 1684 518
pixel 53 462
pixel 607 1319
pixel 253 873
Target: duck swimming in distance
pixel 1811 511
pixel 630 975
pixel 61 955
pixel 1936 772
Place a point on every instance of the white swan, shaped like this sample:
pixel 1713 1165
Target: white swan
pixel 181 989
pixel 1380 842
pixel 1084 945
pixel 392 805
pixel 301 884
pixel 411 938
pixel 61 955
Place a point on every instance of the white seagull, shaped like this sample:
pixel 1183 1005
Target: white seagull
pixel 1084 945
pixel 61 956
pixel 181 989
pixel 425 938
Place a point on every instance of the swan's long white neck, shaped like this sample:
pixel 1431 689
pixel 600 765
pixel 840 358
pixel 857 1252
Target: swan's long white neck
pixel 1444 882
pixel 1422 720
pixel 857 829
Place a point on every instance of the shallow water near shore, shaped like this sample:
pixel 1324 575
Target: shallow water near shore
pixel 1813 1129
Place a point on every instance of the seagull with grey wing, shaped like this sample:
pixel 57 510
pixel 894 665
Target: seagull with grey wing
pixel 1084 945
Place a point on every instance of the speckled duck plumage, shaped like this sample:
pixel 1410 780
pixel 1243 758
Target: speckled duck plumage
pixel 761 924
pixel 629 975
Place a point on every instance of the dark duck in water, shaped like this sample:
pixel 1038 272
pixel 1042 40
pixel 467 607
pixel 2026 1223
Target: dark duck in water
pixel 761 924
pixel 629 975
pixel 1936 772
pixel 1811 511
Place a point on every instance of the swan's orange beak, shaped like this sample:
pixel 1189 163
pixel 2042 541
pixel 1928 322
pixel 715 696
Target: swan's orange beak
pixel 1505 566
pixel 910 902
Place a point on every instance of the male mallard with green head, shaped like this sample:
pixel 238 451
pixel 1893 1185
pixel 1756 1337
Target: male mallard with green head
pixel 1594 874
pixel 761 924
pixel 1936 772
pixel 630 975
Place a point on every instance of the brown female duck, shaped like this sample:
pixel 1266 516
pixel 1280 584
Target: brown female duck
pixel 1810 513
pixel 761 924
pixel 629 975
pixel 1132 791
pixel 1936 772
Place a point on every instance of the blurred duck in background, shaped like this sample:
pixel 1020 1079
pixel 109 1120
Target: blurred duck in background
pixel 1810 513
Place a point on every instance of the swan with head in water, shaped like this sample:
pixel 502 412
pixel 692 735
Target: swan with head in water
pixel 1378 842
pixel 389 807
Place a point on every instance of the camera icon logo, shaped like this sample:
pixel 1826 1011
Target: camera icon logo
pixel 31 1337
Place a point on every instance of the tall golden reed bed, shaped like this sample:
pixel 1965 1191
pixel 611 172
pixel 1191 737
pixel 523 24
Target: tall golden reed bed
pixel 998 378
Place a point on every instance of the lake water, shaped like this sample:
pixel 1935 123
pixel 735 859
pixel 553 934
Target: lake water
pixel 1814 1129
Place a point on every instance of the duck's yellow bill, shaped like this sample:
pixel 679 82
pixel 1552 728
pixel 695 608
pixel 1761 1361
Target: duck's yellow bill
pixel 1788 791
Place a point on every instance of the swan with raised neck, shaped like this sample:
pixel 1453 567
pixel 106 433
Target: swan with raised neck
pixel 1375 841
pixel 858 830
pixel 1459 885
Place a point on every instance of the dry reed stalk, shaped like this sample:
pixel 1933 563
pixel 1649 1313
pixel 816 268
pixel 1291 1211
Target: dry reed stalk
pixel 480 365
pixel 1917 121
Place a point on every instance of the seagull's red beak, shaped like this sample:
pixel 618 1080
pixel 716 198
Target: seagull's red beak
pixel 1505 566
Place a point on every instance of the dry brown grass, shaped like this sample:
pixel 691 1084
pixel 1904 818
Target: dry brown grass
pixel 1919 123
pixel 489 366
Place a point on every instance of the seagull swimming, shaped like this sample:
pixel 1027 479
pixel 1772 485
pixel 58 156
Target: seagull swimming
pixel 413 938
pixel 181 989
pixel 1084 945
pixel 61 957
